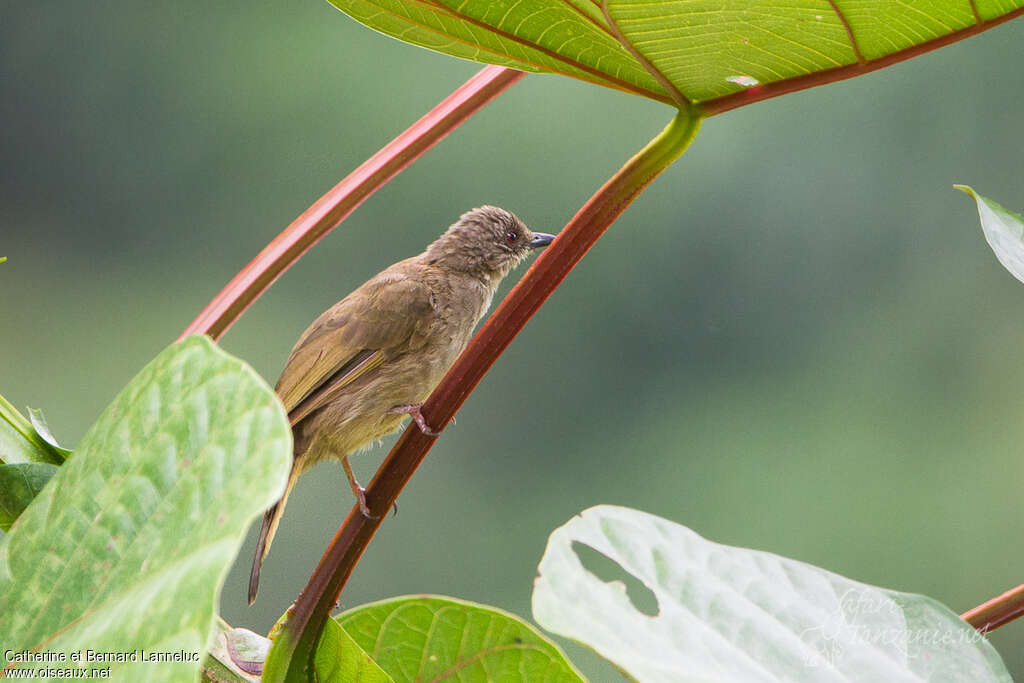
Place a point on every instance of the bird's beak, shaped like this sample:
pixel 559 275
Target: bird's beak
pixel 540 239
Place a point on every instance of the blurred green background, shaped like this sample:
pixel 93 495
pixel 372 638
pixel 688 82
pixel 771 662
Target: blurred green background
pixel 797 340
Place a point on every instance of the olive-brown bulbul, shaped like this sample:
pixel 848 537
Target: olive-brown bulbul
pixel 371 360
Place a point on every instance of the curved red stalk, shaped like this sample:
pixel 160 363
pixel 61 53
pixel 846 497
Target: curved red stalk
pixel 343 198
pixel 1000 610
pixel 294 646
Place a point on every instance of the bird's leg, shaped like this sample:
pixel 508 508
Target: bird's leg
pixel 414 410
pixel 358 490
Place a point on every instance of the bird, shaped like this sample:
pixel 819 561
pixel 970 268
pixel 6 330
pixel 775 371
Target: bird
pixel 369 361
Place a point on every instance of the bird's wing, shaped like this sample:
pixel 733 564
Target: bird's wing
pixel 390 312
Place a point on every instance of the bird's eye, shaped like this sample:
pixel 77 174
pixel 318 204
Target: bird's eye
pixel 511 236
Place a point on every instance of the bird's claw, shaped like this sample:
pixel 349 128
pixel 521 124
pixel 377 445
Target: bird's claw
pixel 414 411
pixel 361 498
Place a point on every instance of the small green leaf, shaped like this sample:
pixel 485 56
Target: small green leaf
pixel 339 659
pixel 431 638
pixel 21 442
pixel 19 484
pixel 219 665
pixel 43 430
pixel 248 650
pixel 732 614
pixel 125 550
pixel 1004 231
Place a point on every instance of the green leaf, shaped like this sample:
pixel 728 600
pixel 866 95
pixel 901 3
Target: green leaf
pixel 19 484
pixel 570 38
pixel 125 550
pixel 732 614
pixel 35 416
pixel 431 638
pixel 339 659
pixel 21 442
pixel 672 49
pixel 706 54
pixel 1004 231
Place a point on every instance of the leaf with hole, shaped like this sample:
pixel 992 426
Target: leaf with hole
pixel 433 638
pixel 682 50
pixel 1004 232
pixel 126 548
pixel 733 614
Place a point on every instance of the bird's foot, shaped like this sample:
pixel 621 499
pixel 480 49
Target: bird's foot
pixel 361 497
pixel 414 411
pixel 358 491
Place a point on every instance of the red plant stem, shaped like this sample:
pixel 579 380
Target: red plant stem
pixel 296 643
pixel 1000 610
pixel 343 198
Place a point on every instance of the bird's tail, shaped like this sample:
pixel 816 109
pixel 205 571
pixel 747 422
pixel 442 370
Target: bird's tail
pixel 270 521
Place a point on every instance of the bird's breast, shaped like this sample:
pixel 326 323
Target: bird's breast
pixel 459 304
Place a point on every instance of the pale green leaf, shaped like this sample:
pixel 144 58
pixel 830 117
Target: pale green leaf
pixel 732 614
pixel 126 548
pixel 1004 232
pixel 431 638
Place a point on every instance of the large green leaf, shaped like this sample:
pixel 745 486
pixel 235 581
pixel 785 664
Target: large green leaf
pixel 126 548
pixel 732 614
pixel 1004 232
pixel 570 38
pixel 431 638
pixel 674 49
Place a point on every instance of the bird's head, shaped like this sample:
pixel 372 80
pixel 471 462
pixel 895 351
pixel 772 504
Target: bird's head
pixel 488 241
